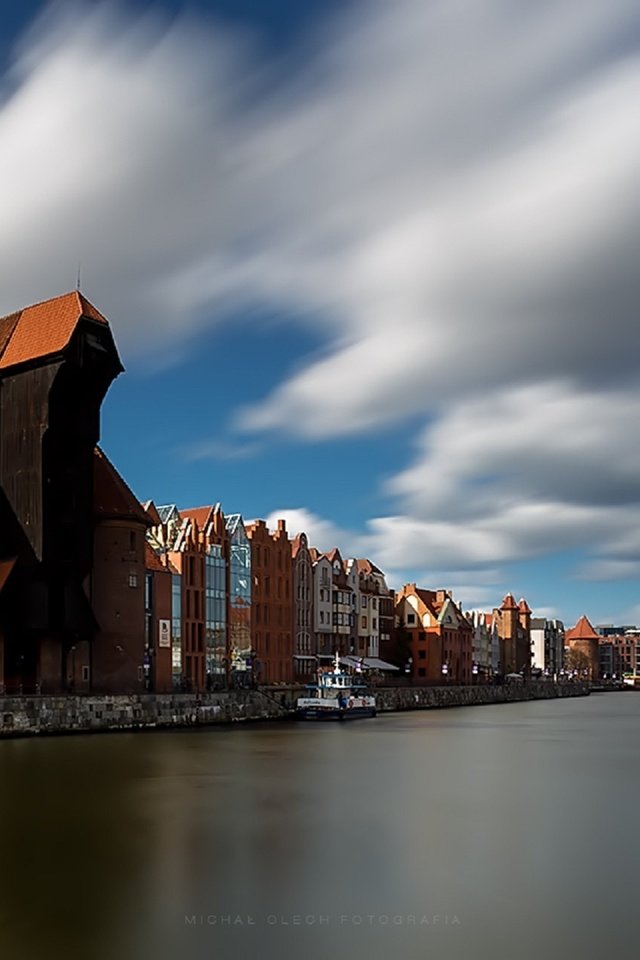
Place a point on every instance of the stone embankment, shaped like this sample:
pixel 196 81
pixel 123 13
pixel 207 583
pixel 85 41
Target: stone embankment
pixel 24 716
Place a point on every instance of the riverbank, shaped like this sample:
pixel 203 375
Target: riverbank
pixel 33 716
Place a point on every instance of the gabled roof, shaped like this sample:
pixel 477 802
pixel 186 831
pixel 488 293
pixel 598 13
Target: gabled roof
pixel 232 522
pixel 200 515
pixel 43 329
pixel 151 509
pixel 168 511
pixel 365 566
pixel 523 606
pixel 112 498
pixel 334 555
pixel 582 631
pixel 509 603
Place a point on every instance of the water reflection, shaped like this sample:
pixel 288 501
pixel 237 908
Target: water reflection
pixel 497 832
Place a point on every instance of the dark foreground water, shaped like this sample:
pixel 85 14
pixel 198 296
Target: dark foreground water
pixel 505 832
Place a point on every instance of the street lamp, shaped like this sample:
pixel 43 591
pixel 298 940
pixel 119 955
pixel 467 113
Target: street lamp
pixel 445 672
pixel 474 671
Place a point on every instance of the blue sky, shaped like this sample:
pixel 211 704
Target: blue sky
pixel 370 266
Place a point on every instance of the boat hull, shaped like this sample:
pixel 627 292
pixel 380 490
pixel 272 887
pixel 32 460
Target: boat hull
pixel 335 713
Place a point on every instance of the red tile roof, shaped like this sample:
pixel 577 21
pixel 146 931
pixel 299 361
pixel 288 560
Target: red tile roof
pixel 151 559
pixel 43 329
pixel 509 603
pixel 582 631
pixel 523 606
pixel 112 498
pixel 200 515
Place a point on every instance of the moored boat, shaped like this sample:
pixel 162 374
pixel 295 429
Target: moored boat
pixel 337 695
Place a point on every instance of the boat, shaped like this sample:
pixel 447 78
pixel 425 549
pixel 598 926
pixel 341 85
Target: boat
pixel 336 695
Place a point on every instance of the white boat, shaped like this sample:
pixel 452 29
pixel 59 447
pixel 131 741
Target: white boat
pixel 337 695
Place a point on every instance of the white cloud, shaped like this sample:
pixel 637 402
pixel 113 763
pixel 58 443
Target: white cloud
pixel 450 193
pixel 321 533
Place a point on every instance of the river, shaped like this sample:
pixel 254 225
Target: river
pixel 503 832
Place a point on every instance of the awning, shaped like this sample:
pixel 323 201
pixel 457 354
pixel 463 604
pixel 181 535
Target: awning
pixel 374 663
pixel 367 663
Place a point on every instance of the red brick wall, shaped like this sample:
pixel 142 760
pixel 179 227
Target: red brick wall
pixel 272 602
pixel 117 597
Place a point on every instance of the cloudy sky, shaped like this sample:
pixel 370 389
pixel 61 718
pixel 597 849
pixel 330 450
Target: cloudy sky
pixel 371 266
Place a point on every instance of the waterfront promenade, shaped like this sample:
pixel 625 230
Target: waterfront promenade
pixel 24 716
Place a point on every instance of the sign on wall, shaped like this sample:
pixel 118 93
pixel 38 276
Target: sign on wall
pixel 164 633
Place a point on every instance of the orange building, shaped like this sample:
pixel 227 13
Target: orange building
pixel 440 639
pixel 513 625
pixel 584 639
pixel 271 602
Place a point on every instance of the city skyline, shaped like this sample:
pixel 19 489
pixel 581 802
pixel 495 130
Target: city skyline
pixel 371 271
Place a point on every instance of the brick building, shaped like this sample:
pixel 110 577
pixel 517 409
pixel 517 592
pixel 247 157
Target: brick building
pixel 513 625
pixel 584 640
pixel 272 602
pixel 117 584
pixel 439 639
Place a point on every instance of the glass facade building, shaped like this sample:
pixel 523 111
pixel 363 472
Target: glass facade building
pixel 239 595
pixel 215 615
pixel 176 628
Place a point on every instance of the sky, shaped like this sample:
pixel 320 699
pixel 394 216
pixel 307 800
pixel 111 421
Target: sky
pixel 372 267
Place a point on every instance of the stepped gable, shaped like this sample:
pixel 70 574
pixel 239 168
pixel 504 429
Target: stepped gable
pixel 43 329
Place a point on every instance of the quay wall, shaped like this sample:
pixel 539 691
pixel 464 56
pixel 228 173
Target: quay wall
pixel 24 716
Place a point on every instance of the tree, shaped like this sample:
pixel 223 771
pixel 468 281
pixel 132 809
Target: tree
pixel 577 660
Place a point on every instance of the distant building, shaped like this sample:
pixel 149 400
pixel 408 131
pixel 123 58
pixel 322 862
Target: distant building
pixel 547 646
pixel 585 641
pixel 619 655
pixel 440 638
pixel 513 627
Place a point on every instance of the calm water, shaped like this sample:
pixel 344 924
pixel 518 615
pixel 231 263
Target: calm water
pixel 505 832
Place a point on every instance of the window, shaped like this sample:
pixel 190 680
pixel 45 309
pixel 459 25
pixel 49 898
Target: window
pixel 363 623
pixel 132 541
pixel 374 624
pixel 363 602
pixel 411 618
pixel 85 674
pixel 422 635
pixel 375 604
pixel 133 579
pixel 422 672
pixel 422 654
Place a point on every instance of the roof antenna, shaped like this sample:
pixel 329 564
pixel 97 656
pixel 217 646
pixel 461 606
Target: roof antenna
pixel 78 277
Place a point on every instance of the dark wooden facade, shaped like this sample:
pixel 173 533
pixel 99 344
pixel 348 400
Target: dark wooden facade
pixel 50 403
